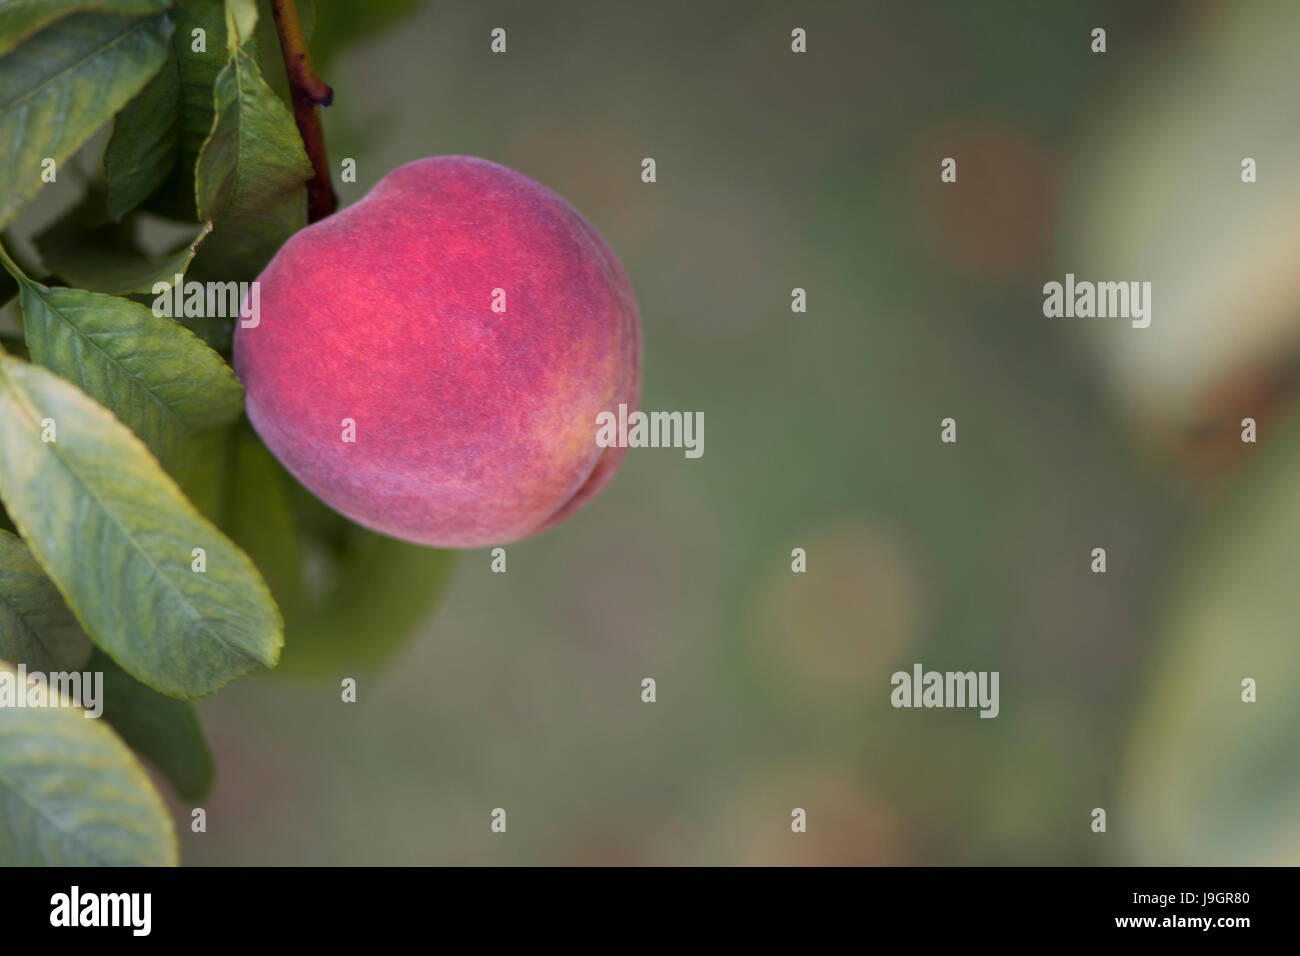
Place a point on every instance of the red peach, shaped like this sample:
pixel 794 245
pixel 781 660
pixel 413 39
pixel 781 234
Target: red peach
pixel 473 427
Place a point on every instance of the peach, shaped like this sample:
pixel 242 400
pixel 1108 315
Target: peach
pixel 430 361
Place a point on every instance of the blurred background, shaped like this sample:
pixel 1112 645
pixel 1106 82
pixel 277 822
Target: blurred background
pixel 821 171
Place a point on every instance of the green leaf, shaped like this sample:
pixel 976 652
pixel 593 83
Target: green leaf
pixel 1213 780
pixel 252 168
pixel 340 23
pixel 36 627
pixel 257 515
pixel 64 83
pixel 201 472
pixel 367 594
pixel 163 730
pixel 236 482
pixel 71 794
pixel 118 537
pixel 233 479
pixel 145 141
pixel 350 597
pixel 88 250
pixel 157 138
pixel 19 19
pixel 384 590
pixel 101 260
pixel 154 374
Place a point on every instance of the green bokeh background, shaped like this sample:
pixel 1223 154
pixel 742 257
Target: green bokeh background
pixel 821 171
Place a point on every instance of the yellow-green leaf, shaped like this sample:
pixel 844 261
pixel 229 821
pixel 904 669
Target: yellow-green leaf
pixel 1212 778
pixel 157 376
pixel 153 582
pixel 36 627
pixel 19 19
pixel 250 176
pixel 71 794
pixel 59 86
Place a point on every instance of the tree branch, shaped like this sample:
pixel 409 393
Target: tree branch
pixel 309 91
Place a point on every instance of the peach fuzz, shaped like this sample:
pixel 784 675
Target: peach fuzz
pixel 473 427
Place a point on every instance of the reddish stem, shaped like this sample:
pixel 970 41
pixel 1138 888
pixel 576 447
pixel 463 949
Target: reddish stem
pixel 309 92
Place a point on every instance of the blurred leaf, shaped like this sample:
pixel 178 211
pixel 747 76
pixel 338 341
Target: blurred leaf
pixel 252 168
pixel 19 19
pixel 36 627
pixel 164 181
pixel 163 730
pixel 1213 780
pixel 87 250
pixel 216 331
pixel 61 85
pixel 154 374
pixel 71 794
pixel 257 516
pixel 349 597
pixel 200 470
pixel 306 16
pixel 1150 196
pixel 341 23
pixel 367 593
pixel 116 535
pixel 237 484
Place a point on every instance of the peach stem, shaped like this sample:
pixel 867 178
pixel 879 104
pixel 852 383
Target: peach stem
pixel 309 91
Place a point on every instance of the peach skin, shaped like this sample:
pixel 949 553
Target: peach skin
pixel 430 361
